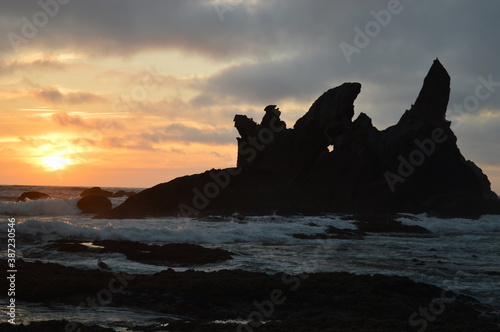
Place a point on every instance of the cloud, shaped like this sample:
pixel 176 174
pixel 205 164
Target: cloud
pixel 50 94
pixel 299 78
pixel 291 48
pixel 157 138
pixel 122 27
pixel 37 141
pixel 65 119
pixel 181 133
pixel 46 63
pixel 99 126
pixel 129 143
pixel 479 138
pixel 54 95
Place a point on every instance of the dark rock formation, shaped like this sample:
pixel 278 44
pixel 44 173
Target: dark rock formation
pixel 414 166
pixel 96 191
pixel 307 302
pixel 94 204
pixel 32 195
pixel 171 254
pixel 53 325
pixel 121 193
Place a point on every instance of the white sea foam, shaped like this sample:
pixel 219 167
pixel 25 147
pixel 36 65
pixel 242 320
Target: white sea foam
pixel 487 223
pixel 264 230
pixel 45 207
pixel 463 255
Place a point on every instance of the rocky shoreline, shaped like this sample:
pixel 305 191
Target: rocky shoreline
pixel 203 301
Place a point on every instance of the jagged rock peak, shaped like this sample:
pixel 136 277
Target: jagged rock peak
pixel 433 98
pixel 334 105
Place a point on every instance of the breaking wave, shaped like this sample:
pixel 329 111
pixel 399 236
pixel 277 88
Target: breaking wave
pixel 46 207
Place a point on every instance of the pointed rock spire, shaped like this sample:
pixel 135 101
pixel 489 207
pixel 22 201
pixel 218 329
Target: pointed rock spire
pixel 432 100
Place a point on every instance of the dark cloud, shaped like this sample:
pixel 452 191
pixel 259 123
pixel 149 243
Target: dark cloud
pixel 293 46
pixel 50 94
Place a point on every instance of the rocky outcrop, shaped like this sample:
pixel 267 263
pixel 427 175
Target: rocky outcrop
pixel 32 195
pixel 171 254
pixel 96 191
pixel 221 300
pixel 121 193
pixel 329 162
pixel 94 204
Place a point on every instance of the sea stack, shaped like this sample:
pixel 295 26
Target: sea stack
pixel 330 163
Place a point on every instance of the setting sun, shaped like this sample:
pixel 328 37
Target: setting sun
pixel 55 163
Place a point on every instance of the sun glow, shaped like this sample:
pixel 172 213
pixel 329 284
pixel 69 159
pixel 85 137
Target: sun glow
pixel 55 163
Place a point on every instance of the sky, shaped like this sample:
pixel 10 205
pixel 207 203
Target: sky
pixel 134 93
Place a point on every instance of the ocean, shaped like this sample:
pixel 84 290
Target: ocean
pixel 461 255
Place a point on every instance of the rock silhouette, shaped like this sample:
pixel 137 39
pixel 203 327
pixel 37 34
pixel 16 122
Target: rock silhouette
pixel 121 193
pixel 172 254
pixel 94 204
pixel 414 166
pixel 96 191
pixel 32 195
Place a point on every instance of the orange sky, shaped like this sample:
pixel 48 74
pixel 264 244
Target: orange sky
pixel 132 95
pixel 68 119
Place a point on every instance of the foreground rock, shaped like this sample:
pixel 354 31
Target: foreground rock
pixel 32 196
pixel 306 302
pixel 94 204
pixel 52 326
pixel 414 166
pixel 172 254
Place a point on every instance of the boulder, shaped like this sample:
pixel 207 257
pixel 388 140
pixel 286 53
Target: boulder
pixel 121 193
pixel 32 195
pixel 178 254
pixel 329 162
pixel 94 204
pixel 96 191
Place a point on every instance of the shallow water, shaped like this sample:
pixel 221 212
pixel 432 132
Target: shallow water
pixel 461 255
